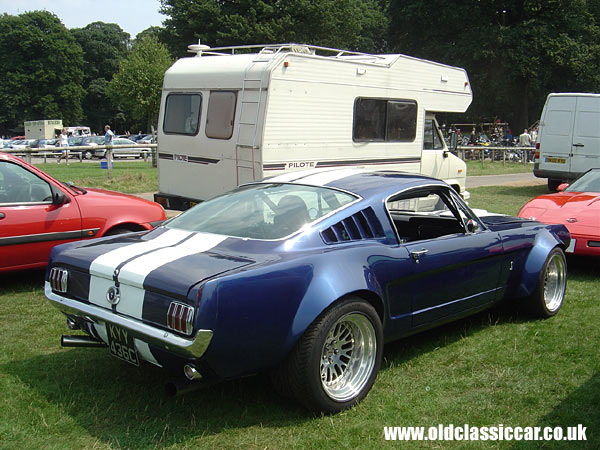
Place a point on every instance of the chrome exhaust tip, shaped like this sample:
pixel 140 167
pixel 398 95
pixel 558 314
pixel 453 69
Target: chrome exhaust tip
pixel 191 373
pixel 80 341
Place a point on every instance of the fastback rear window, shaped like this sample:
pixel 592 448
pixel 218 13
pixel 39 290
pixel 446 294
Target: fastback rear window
pixel 262 211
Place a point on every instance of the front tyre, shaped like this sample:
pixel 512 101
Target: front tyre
pixel 549 294
pixel 334 364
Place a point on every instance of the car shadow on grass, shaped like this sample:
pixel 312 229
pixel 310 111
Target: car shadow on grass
pixel 126 406
pixel 21 281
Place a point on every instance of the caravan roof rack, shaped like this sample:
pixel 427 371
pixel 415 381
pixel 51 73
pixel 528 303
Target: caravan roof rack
pixel 274 49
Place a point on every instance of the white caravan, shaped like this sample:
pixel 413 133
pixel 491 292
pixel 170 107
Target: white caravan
pixel 232 115
pixel 568 142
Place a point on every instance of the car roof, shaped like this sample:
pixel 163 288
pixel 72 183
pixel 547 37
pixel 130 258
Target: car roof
pixel 363 182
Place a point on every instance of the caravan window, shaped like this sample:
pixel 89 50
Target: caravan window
pixel 182 114
pixel 384 120
pixel 220 114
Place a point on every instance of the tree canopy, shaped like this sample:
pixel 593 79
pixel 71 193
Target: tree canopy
pixel 43 74
pixel 348 24
pixel 136 87
pixel 515 51
pixel 103 45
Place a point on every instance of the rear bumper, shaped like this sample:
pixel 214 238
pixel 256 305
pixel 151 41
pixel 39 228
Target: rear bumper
pixel 194 347
pixel 586 245
pixel 554 174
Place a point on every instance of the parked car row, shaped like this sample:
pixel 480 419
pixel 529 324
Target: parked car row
pixel 134 149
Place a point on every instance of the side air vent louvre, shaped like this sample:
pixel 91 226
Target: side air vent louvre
pixel 359 226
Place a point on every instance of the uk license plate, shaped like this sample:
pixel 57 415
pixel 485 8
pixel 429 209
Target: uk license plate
pixel 571 247
pixel 121 343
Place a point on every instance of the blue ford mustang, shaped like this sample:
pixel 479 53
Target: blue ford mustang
pixel 305 275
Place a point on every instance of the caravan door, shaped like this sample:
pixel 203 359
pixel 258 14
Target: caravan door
pixel 585 151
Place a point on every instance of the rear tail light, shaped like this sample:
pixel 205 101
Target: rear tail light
pixel 180 317
pixel 59 279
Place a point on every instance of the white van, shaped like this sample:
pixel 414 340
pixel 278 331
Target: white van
pixel 232 115
pixel 568 142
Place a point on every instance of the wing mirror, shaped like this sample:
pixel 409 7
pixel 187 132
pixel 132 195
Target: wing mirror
pixel 562 187
pixel 473 226
pixel 59 197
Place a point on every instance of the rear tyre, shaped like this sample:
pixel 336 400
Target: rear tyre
pixel 334 364
pixel 549 294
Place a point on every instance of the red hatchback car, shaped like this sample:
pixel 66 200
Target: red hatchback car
pixel 38 212
pixel 577 206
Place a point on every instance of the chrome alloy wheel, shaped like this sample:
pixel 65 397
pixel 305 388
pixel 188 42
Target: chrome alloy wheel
pixel 555 282
pixel 348 356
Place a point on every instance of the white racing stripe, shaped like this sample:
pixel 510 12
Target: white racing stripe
pixel 136 271
pixel 315 177
pixel 324 177
pixel 105 265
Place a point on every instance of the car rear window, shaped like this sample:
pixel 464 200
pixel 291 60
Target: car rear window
pixel 262 211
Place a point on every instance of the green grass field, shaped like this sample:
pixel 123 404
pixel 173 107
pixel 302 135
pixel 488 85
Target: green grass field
pixel 136 177
pixel 487 167
pixel 127 176
pixel 497 367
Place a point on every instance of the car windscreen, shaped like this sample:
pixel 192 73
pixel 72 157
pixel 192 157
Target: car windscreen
pixel 589 182
pixel 262 211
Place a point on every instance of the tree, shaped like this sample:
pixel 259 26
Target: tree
pixel 104 45
pixel 515 51
pixel 136 87
pixel 348 24
pixel 45 73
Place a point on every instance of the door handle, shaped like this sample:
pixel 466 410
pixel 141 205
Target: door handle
pixel 578 145
pixel 416 254
pixel 2 215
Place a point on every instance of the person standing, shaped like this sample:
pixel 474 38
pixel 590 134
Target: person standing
pixel 525 139
pixel 108 138
pixel 63 143
pixel 108 135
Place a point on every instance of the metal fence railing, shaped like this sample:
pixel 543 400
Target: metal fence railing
pixel 483 153
pixel 78 151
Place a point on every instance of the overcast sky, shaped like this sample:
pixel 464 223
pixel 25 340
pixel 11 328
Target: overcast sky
pixel 132 16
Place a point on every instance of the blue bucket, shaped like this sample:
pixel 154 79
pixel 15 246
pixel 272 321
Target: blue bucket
pixel 104 164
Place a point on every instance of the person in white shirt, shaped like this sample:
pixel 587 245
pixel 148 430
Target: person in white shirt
pixel 63 142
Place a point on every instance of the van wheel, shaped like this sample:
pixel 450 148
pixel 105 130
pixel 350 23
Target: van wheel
pixel 334 364
pixel 553 184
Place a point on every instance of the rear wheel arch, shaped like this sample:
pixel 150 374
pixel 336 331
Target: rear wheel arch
pixel 123 228
pixel 371 297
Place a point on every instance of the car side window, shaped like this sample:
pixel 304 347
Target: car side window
pixel 425 213
pixel 18 185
